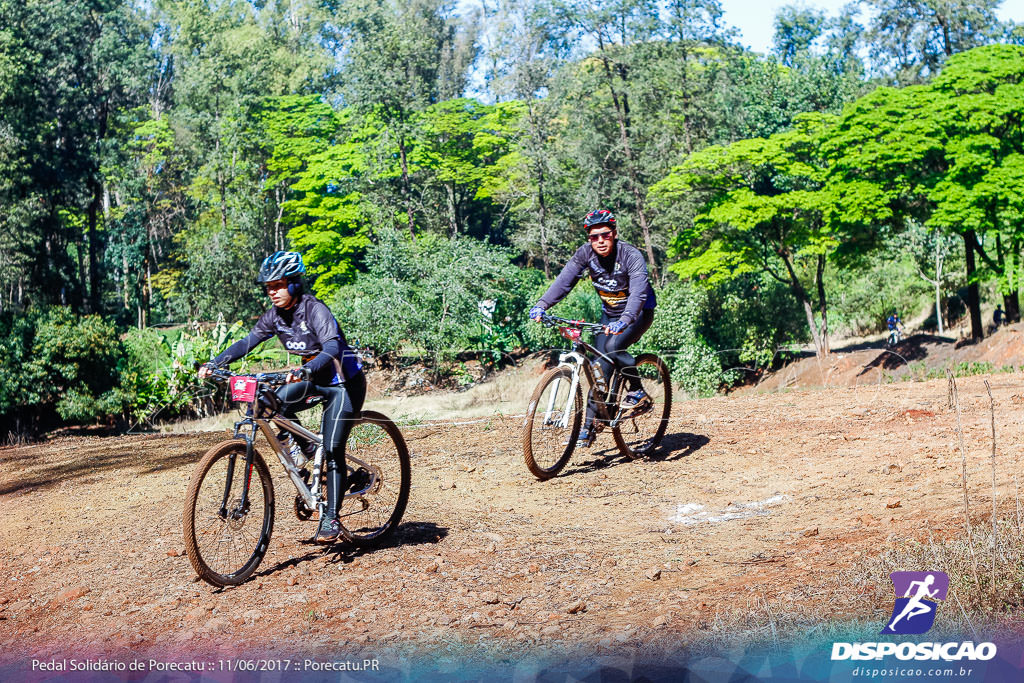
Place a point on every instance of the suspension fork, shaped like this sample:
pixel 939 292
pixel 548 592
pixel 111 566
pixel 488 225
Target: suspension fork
pixel 574 361
pixel 250 453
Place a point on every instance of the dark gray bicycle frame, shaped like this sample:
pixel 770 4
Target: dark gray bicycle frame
pixel 252 420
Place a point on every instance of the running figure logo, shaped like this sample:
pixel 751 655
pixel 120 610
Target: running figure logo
pixel 917 594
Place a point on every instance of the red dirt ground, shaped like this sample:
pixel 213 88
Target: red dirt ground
pixel 796 488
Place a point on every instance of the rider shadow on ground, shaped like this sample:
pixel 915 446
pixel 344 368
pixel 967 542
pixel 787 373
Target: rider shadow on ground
pixel 407 533
pixel 673 447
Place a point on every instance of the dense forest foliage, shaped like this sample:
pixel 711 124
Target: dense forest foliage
pixel 425 158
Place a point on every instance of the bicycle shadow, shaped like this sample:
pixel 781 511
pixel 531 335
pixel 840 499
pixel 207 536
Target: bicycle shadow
pixel 672 447
pixel 407 533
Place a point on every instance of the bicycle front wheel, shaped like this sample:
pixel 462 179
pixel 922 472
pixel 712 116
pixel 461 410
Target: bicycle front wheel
pixel 225 539
pixel 552 425
pixel 641 429
pixel 378 481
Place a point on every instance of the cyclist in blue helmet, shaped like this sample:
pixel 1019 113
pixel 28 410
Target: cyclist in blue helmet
pixel 619 273
pixel 307 328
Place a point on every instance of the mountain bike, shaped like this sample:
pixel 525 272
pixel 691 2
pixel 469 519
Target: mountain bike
pixel 895 335
pixel 229 517
pixel 555 413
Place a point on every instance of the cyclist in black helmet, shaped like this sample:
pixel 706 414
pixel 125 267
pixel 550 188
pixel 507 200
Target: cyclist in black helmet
pixel 619 274
pixel 307 328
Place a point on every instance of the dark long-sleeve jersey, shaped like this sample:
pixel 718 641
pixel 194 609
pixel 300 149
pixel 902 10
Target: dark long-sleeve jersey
pixel 620 279
pixel 308 329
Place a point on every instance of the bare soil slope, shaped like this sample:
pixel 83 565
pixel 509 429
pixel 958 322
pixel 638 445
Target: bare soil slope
pixel 872 363
pixel 755 500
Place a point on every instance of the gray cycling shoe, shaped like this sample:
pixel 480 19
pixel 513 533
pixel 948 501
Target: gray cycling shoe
pixel 330 529
pixel 586 437
pixel 636 399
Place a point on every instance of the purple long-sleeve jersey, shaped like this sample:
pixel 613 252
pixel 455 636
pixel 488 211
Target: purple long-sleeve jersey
pixel 620 279
pixel 308 329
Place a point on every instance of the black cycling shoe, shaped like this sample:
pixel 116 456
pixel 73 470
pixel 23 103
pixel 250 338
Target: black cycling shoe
pixel 330 529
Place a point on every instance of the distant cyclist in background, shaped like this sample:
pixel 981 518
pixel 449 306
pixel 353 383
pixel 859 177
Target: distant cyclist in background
pixel 997 316
pixel 619 274
pixel 895 326
pixel 306 327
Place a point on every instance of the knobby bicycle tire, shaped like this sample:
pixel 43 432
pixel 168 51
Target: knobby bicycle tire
pixel 372 535
pixel 533 452
pixel 656 420
pixel 247 547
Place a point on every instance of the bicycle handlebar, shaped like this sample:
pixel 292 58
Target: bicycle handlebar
pixel 552 321
pixel 272 378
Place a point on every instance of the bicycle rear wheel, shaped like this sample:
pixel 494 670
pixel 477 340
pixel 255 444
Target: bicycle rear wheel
pixel 641 429
pixel 226 541
pixel 552 425
pixel 378 481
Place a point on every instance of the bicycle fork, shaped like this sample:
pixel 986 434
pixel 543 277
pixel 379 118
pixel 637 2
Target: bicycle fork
pixel 242 508
pixel 573 361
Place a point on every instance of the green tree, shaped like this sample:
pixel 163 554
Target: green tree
pixel 945 156
pixel 65 70
pixel 398 59
pixel 317 168
pixel 796 28
pixel 911 39
pixel 766 208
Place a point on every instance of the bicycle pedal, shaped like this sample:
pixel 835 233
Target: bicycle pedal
pixel 639 410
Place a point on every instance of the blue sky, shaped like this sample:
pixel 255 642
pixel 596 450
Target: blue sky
pixel 754 18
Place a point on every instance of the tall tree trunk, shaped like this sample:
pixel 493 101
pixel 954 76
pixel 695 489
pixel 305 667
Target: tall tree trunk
pixel 819 280
pixel 938 285
pixel 453 223
pixel 811 324
pixel 973 298
pixel 96 190
pixel 406 187
pixel 83 276
pixel 621 103
pixel 801 294
pixel 1011 307
pixel 543 210
pixel 538 168
pixel 95 185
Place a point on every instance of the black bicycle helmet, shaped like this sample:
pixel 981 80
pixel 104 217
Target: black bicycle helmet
pixel 281 265
pixel 599 217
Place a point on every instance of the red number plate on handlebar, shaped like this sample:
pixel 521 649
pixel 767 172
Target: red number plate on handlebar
pixel 243 389
pixel 570 333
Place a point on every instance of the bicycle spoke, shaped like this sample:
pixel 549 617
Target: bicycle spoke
pixel 552 423
pixel 379 456
pixel 643 427
pixel 223 548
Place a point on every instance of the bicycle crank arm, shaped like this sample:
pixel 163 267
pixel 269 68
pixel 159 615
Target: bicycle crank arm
pixel 629 415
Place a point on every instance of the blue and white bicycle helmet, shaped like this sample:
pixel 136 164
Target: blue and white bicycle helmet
pixel 281 265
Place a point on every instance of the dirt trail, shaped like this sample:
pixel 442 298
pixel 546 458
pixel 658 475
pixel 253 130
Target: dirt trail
pixel 754 499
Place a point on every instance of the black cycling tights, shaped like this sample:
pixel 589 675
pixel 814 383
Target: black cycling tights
pixel 342 406
pixel 614 355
